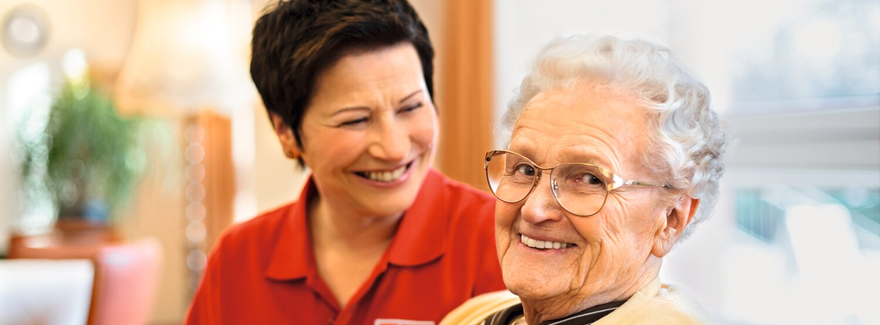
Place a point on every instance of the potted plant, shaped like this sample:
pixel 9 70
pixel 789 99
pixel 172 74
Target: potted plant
pixel 87 160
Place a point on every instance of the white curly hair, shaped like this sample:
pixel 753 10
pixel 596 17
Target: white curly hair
pixel 688 140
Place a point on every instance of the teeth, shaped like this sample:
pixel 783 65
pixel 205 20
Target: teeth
pixel 385 176
pixel 540 244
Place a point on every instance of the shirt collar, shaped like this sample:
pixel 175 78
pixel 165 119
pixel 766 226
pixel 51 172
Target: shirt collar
pixel 292 255
pixel 587 316
pixel 593 314
pixel 420 237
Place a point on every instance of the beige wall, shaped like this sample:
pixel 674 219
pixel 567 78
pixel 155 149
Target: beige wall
pixel 102 28
pixel 158 211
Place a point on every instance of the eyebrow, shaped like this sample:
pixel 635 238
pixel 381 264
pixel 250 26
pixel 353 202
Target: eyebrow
pixel 361 108
pixel 409 96
pixel 581 156
pixel 526 150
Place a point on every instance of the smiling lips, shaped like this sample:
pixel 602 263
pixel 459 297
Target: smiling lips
pixel 385 176
pixel 541 244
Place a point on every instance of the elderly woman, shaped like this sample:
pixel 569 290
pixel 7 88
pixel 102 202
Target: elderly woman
pixel 377 236
pixel 615 155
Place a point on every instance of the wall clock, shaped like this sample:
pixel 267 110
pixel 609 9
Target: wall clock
pixel 25 30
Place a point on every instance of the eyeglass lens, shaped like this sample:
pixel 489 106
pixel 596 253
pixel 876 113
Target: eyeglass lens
pixel 580 189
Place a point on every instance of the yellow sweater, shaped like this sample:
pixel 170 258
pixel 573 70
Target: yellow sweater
pixel 655 304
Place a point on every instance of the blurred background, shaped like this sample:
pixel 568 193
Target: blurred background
pixel 132 136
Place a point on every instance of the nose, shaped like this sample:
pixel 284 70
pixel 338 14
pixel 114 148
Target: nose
pixel 541 206
pixel 389 141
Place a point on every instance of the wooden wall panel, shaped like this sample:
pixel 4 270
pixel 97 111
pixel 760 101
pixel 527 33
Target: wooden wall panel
pixel 466 101
pixel 219 179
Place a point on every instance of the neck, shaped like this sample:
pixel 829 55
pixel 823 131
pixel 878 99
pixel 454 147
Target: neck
pixel 334 225
pixel 541 310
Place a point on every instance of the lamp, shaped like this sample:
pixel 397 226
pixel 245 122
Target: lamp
pixel 189 54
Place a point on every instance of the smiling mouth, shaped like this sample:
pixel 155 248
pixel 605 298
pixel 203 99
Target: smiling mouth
pixel 543 245
pixel 385 176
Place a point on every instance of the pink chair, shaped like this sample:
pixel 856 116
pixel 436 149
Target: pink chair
pixel 126 278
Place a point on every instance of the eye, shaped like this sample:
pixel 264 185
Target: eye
pixel 525 169
pixel 592 179
pixel 410 108
pixel 354 122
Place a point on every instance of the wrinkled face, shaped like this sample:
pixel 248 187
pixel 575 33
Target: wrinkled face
pixel 369 132
pixel 607 252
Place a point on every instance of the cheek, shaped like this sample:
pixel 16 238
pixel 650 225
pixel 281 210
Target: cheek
pixel 618 217
pixel 505 215
pixel 325 147
pixel 628 227
pixel 423 128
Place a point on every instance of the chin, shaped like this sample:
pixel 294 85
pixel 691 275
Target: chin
pixel 529 284
pixel 395 203
pixel 530 288
pixel 391 209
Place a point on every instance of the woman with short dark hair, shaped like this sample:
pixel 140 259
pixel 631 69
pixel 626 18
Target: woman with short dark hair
pixel 377 236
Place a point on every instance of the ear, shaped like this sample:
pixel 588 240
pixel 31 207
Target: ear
pixel 285 136
pixel 673 224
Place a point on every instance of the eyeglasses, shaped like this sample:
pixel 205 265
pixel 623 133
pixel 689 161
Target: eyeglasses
pixel 580 188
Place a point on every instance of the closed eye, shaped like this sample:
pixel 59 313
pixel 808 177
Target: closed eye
pixel 354 122
pixel 410 108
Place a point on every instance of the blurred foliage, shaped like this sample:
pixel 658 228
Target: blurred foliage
pixel 87 157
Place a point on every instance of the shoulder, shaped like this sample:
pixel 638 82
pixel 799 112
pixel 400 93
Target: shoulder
pixel 240 253
pixel 459 221
pixel 252 236
pixel 463 201
pixel 680 305
pixel 469 213
pixel 479 308
pixel 459 193
pixel 670 306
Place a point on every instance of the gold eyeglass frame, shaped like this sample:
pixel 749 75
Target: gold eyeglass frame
pixel 616 181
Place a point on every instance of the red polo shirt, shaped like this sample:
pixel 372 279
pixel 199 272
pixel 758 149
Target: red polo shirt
pixel 263 271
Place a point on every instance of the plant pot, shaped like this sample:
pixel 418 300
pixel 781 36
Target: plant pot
pixel 91 211
pixel 85 223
